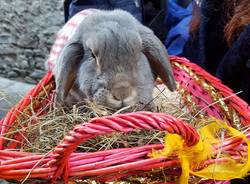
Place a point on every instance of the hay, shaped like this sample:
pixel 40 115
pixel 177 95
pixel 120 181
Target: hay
pixel 51 128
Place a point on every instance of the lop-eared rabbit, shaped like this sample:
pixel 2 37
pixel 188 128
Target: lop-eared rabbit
pixel 112 59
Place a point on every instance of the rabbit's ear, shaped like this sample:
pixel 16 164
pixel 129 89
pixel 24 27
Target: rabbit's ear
pixel 157 57
pixel 66 71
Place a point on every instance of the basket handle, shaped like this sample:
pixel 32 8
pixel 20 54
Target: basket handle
pixel 118 123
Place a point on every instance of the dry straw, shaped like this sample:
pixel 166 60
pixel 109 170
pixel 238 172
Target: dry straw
pixel 51 127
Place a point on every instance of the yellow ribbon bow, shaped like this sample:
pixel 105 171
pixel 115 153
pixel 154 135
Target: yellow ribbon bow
pixel 190 157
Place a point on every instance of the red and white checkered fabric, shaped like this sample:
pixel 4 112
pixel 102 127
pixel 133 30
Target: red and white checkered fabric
pixel 64 35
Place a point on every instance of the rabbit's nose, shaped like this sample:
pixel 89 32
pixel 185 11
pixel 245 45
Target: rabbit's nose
pixel 122 95
pixel 121 91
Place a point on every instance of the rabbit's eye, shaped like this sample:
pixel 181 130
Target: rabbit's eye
pixel 93 55
pixel 95 60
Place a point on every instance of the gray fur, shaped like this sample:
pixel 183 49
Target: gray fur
pixel 108 60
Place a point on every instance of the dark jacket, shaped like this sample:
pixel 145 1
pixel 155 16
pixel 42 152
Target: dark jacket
pixel 209 49
pixel 234 67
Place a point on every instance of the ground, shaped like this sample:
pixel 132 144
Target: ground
pixel 27 31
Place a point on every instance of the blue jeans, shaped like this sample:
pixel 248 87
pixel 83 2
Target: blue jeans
pixel 128 5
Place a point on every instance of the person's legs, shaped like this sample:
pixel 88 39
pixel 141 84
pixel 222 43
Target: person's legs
pixel 66 10
pixel 78 5
pixel 71 7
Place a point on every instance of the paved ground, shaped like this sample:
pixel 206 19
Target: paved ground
pixel 10 93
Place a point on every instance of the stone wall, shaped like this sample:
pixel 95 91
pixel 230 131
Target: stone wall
pixel 27 30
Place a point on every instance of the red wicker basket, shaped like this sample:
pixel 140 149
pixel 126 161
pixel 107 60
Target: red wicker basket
pixel 200 91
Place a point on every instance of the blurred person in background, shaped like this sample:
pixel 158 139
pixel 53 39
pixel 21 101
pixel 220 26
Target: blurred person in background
pixel 214 34
pixel 219 41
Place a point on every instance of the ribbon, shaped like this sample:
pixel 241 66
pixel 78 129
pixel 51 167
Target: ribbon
pixel 192 157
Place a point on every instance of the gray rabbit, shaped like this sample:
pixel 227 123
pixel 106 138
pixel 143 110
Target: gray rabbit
pixel 113 60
